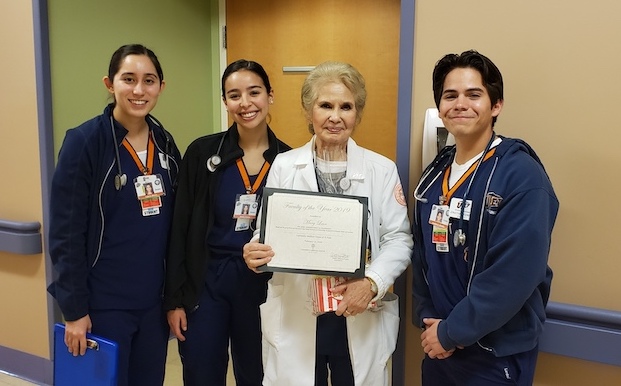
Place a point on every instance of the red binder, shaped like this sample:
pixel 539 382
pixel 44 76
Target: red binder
pixel 98 367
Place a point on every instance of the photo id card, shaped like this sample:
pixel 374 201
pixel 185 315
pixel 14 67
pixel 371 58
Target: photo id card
pixel 439 216
pixel 149 185
pixel 246 208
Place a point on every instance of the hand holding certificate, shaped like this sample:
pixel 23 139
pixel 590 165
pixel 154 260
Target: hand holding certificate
pixel 314 233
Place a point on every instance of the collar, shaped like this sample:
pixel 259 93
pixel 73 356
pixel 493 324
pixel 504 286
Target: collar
pixel 355 155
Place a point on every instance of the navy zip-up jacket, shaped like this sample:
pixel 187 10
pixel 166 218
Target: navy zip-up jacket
pixel 83 181
pixel 505 283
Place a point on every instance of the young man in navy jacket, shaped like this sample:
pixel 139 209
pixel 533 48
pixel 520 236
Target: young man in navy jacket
pixel 481 280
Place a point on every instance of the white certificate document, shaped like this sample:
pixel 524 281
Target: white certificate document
pixel 314 233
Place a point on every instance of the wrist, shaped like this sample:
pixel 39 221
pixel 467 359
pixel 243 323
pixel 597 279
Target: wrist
pixel 373 287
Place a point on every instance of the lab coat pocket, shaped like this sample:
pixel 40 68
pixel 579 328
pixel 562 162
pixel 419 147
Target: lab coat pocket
pixel 271 314
pixel 390 324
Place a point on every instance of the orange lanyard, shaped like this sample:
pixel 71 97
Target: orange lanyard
pixel 150 155
pixel 246 179
pixel 448 193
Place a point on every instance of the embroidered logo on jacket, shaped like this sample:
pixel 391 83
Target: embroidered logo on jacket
pixel 399 196
pixel 492 202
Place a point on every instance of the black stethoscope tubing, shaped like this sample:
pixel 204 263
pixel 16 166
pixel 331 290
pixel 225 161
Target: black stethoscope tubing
pixel 460 237
pixel 120 179
pixel 446 156
pixel 215 160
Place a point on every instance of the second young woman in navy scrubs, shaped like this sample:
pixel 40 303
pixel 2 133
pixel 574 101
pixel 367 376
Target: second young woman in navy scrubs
pixel 211 296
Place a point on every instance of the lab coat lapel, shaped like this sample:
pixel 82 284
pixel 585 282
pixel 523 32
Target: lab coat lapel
pixel 306 178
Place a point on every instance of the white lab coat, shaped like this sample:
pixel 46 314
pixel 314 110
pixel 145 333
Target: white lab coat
pixel 287 322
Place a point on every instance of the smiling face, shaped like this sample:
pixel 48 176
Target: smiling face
pixel 247 99
pixel 136 87
pixel 333 115
pixel 465 106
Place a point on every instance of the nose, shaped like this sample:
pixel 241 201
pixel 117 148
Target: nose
pixel 335 116
pixel 460 102
pixel 244 101
pixel 138 89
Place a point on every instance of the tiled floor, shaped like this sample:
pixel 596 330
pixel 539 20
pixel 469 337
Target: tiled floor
pixel 173 371
pixel 7 380
pixel 173 368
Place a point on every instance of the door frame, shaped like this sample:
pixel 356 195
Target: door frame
pixel 224 117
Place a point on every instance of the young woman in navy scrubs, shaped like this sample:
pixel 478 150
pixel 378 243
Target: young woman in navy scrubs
pixel 108 237
pixel 211 296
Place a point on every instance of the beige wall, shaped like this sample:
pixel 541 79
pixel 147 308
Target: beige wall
pixel 24 323
pixel 560 63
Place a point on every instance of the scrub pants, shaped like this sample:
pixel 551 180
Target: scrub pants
pixel 332 352
pixel 473 366
pixel 142 338
pixel 228 311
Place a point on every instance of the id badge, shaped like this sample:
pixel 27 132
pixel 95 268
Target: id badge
pixel 439 237
pixel 246 208
pixel 151 205
pixel 149 191
pixel 439 216
pixel 150 185
pixel 455 209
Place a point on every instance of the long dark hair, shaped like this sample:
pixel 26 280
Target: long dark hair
pixel 133 49
pixel 243 64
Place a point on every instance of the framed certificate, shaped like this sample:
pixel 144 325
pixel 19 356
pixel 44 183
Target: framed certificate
pixel 314 233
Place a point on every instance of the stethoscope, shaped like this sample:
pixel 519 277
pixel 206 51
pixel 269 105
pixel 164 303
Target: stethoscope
pixel 215 160
pixel 120 179
pixel 459 237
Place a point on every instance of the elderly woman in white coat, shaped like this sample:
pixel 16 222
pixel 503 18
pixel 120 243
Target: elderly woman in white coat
pixel 355 341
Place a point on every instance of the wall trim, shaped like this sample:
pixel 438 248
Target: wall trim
pixel 22 238
pixel 25 366
pixel 586 333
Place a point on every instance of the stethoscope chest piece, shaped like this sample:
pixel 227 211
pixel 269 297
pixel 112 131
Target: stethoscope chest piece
pixel 459 238
pixel 120 180
pixel 344 183
pixel 213 162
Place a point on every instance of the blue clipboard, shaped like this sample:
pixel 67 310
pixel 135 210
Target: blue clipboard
pixel 98 367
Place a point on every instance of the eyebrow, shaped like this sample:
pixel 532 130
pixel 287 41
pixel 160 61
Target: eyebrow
pixel 471 89
pixel 254 87
pixel 134 74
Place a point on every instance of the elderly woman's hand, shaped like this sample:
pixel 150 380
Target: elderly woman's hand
pixel 356 294
pixel 257 254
